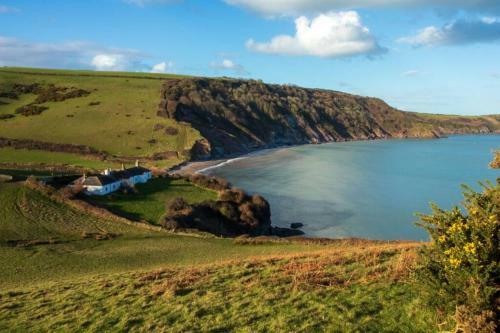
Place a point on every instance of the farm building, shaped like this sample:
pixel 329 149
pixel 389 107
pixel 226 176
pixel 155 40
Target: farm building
pixel 111 180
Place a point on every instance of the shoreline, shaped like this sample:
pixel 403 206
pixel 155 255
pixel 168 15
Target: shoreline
pixel 194 167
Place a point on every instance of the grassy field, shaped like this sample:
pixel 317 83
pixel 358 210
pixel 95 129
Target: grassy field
pixel 26 214
pixel 143 280
pixel 34 157
pixel 338 288
pixel 122 124
pixel 150 200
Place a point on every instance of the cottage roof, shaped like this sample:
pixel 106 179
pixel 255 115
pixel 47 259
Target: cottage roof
pixel 96 180
pixel 113 177
pixel 131 172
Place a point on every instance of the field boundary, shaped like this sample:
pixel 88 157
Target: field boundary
pixel 113 76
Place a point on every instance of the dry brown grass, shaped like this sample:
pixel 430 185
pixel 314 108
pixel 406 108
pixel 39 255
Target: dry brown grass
pixel 337 266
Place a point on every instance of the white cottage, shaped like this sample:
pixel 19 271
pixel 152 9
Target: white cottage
pixel 110 181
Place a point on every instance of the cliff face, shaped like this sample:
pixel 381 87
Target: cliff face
pixel 238 116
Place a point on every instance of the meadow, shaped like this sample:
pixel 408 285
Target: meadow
pixel 35 158
pixel 150 200
pixel 342 287
pixel 118 116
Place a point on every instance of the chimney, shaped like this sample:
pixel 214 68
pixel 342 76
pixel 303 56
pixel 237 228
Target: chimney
pixel 123 166
pixel 136 163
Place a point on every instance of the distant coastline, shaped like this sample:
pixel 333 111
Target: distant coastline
pixel 194 167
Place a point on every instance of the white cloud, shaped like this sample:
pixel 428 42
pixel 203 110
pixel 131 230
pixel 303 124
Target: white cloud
pixel 163 67
pixel 427 36
pixel 7 9
pixel 296 7
pixel 328 35
pixel 142 3
pixel 110 62
pixel 227 64
pixel 490 20
pixel 411 72
pixel 459 32
pixel 74 54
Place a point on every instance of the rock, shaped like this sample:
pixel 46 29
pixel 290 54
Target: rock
pixel 296 225
pixel 285 232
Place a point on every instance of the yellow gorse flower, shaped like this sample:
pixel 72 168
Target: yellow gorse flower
pixel 456 227
pixel 492 218
pixel 442 239
pixel 455 262
pixel 470 248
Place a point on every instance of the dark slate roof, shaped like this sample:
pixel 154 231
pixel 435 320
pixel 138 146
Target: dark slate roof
pixel 131 172
pixel 115 176
pixel 96 180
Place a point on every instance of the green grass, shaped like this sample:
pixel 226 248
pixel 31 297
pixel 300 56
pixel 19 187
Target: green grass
pixel 156 281
pixel 342 288
pixel 27 157
pixel 150 200
pixel 128 102
pixel 26 214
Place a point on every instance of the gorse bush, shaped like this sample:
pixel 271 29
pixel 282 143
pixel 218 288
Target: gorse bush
pixel 461 266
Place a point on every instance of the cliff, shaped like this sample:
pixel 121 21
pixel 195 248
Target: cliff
pixel 238 116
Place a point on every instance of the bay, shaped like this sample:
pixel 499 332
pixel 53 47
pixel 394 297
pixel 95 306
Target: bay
pixel 366 189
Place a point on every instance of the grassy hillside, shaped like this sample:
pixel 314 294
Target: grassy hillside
pixel 118 116
pixel 26 214
pixel 342 287
pixel 32 219
pixel 36 158
pixel 114 117
pixel 151 198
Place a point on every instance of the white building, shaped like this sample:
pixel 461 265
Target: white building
pixel 110 181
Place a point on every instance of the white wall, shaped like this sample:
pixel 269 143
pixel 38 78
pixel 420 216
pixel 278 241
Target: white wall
pixel 102 190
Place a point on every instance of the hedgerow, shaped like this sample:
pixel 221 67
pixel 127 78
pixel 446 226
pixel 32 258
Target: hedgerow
pixel 461 267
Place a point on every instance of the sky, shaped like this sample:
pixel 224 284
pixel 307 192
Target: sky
pixel 435 56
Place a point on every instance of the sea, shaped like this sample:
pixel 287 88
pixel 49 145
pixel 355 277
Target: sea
pixel 366 189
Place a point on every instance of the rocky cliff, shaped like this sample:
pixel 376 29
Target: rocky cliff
pixel 238 116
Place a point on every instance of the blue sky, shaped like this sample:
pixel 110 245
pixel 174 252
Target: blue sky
pixel 439 56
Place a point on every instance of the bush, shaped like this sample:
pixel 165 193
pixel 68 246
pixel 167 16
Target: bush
pixel 234 195
pixel 495 164
pixel 6 116
pixel 171 131
pixel 461 266
pixel 31 110
pixel 213 183
pixel 229 210
pixel 176 205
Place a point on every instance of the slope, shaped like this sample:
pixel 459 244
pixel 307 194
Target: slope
pixel 237 116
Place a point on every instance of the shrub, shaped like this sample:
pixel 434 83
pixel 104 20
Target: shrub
pixel 176 205
pixel 461 266
pixel 234 195
pixel 171 131
pixel 31 110
pixel 6 116
pixel 212 183
pixel 229 210
pixel 495 164
pixel 169 223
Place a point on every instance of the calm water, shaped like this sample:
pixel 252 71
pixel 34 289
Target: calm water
pixel 368 189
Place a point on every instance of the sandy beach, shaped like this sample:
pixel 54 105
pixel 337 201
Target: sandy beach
pixel 190 168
